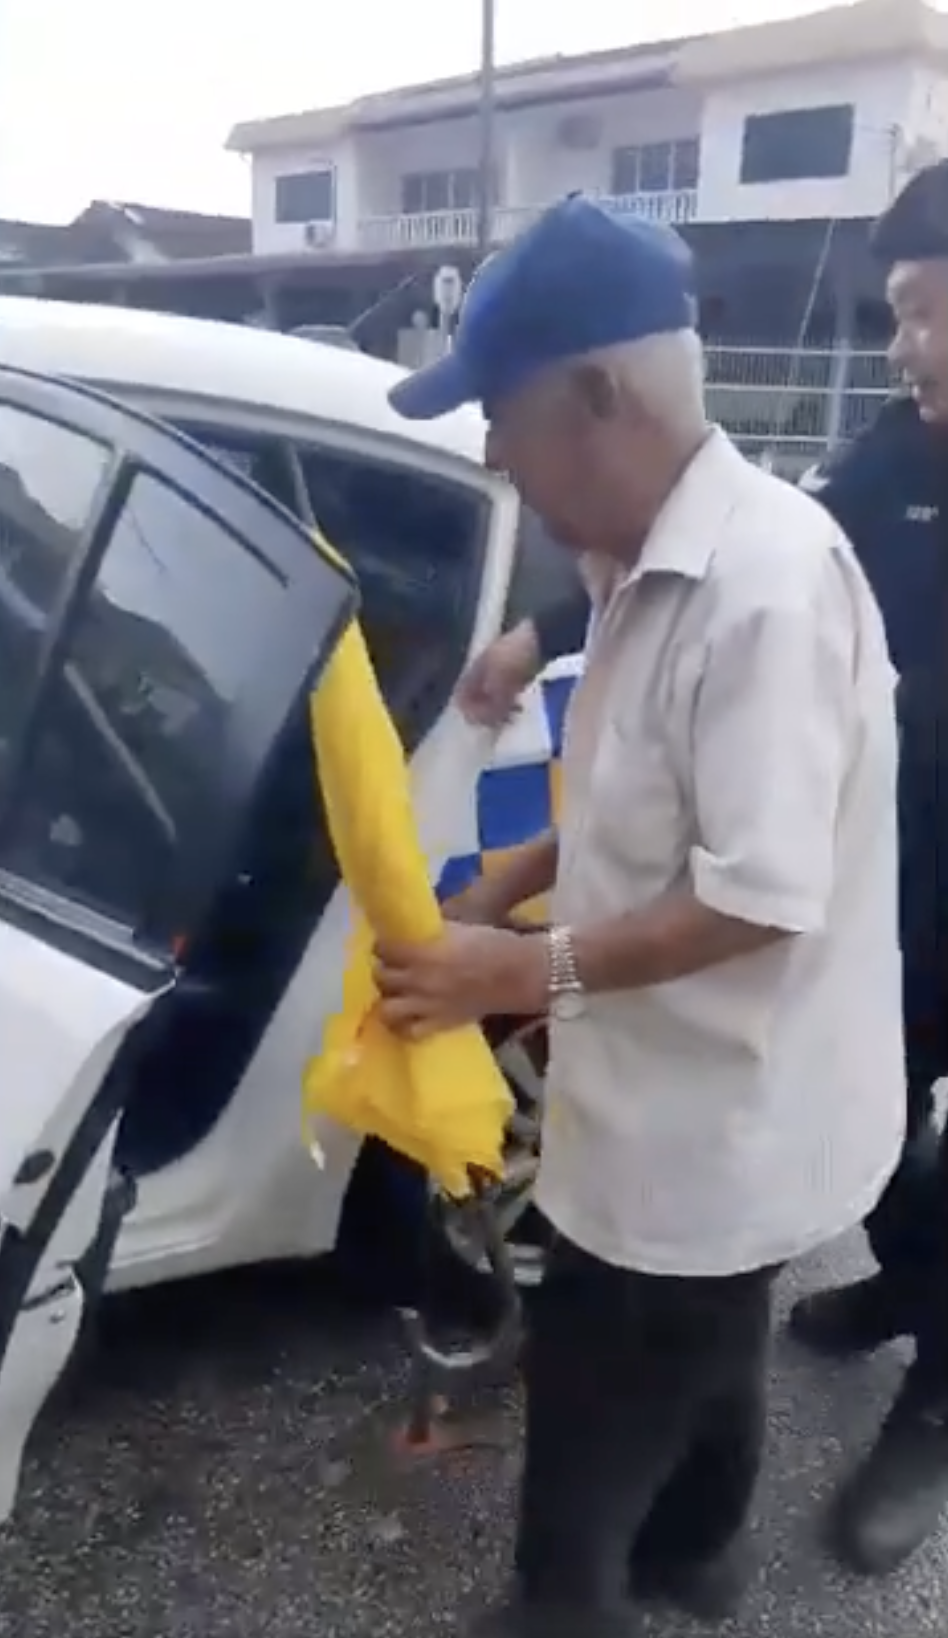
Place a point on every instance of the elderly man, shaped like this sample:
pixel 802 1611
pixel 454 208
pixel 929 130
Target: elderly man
pixel 889 491
pixel 726 1083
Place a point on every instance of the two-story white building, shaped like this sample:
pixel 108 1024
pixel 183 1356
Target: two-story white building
pixel 814 119
pixel 772 148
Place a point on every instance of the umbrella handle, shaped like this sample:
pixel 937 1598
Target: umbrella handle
pixel 435 1367
pixel 505 1336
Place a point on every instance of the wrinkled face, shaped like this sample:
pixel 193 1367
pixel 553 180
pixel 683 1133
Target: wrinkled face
pixel 555 440
pixel 918 296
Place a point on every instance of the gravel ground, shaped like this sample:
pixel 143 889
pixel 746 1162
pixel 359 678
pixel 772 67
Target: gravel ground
pixel 220 1470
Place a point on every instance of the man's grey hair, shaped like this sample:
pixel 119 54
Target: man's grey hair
pixel 665 374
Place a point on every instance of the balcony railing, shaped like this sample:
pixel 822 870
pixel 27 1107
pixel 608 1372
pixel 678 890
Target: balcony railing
pixel 430 229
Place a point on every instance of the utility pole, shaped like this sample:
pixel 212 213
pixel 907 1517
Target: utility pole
pixel 487 167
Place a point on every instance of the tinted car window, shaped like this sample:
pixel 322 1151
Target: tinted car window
pixel 265 461
pixel 544 572
pixel 131 730
pixel 416 544
pixel 49 480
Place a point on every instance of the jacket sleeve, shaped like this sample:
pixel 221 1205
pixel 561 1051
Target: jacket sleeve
pixel 561 626
pixel 843 483
pixel 848 482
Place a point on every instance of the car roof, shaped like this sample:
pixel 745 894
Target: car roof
pixel 123 347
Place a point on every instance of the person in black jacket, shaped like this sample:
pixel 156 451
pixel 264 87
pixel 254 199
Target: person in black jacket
pixel 889 491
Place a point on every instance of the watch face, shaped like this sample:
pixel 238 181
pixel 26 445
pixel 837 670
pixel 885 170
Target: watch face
pixel 567 1005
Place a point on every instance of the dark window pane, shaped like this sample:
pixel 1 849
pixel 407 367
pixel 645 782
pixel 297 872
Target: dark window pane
pixel 465 190
pixel 799 144
pixel 424 191
pixel 49 478
pixel 656 163
pixel 416 546
pixel 544 572
pixel 261 459
pixel 625 170
pixel 437 191
pixel 130 738
pixel 306 196
pixel 686 159
pixel 413 194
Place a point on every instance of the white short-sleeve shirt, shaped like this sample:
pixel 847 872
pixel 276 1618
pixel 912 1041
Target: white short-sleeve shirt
pixel 734 734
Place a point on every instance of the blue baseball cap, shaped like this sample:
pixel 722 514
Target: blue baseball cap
pixel 580 278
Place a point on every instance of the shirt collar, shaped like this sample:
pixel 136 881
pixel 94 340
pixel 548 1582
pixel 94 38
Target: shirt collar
pixel 683 539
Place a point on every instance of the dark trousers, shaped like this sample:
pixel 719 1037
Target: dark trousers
pixel 645 1423
pixel 908 1231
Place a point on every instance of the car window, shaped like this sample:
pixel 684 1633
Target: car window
pixel 130 732
pixel 49 481
pixel 544 572
pixel 416 543
pixel 262 459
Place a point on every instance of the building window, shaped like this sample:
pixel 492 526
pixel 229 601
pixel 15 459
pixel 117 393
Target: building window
pixel 798 145
pixel 656 167
pixel 424 191
pixel 306 196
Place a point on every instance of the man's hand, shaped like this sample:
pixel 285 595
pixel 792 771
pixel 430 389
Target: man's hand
pixel 466 975
pixel 482 904
pixel 492 684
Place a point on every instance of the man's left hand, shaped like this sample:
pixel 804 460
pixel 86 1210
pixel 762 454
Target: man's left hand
pixel 467 974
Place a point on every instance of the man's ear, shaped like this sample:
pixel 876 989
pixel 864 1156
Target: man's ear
pixel 596 390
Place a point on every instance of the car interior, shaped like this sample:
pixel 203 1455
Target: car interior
pixel 417 616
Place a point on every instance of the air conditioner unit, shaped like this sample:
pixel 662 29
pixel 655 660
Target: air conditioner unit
pixel 317 235
pixel 578 132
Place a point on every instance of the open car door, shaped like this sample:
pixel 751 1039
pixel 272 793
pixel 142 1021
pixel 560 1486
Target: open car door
pixel 160 619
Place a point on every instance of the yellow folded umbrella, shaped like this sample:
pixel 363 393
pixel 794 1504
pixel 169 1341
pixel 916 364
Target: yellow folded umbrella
pixel 443 1101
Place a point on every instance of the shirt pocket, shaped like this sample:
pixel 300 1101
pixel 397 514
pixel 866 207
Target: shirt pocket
pixel 639 812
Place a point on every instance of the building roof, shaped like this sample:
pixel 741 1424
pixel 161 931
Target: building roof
pixel 173 234
pixel 865 28
pixel 541 79
pixel 303 263
pixel 52 244
pixel 111 232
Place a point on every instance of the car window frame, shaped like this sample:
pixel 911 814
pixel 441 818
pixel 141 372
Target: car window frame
pixel 66 922
pixel 296 430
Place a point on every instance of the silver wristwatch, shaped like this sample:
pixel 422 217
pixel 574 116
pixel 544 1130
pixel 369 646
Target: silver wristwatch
pixel 567 993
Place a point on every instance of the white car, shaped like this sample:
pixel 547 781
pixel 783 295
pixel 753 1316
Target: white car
pixel 171 920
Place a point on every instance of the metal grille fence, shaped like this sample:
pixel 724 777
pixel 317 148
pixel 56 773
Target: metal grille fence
pixel 784 405
pixel 787 406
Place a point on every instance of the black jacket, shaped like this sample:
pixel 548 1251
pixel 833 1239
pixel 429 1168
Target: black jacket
pixel 889 492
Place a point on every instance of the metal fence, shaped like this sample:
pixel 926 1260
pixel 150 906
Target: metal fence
pixel 789 405
pixel 784 405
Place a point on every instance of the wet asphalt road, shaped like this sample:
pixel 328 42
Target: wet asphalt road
pixel 221 1470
